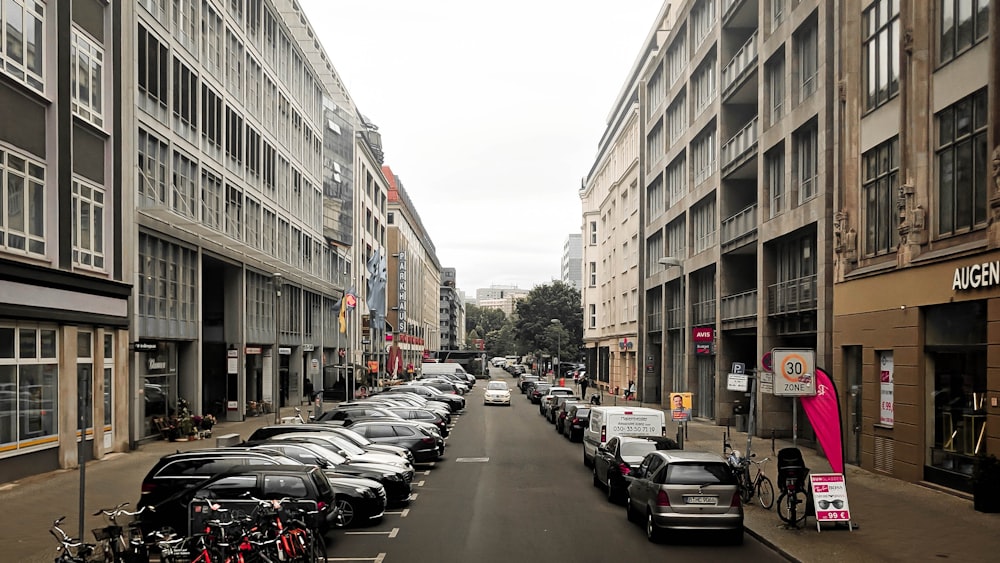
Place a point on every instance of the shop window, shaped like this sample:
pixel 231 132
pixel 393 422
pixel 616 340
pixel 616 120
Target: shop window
pixel 29 381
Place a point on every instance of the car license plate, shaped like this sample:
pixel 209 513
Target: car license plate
pixel 701 500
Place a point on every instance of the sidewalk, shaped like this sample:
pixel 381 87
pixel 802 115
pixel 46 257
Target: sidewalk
pixel 897 521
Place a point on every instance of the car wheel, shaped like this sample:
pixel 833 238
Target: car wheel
pixel 346 512
pixel 612 492
pixel 597 482
pixel 630 514
pixel 653 532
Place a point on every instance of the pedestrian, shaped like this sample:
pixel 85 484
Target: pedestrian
pixel 307 389
pixel 583 387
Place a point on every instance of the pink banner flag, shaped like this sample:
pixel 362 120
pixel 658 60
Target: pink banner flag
pixel 823 411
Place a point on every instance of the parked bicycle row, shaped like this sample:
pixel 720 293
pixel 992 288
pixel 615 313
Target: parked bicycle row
pixel 281 494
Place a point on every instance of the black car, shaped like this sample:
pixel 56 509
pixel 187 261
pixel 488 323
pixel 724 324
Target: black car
pixel 442 386
pixel 537 390
pixel 576 421
pixel 396 481
pixel 454 402
pixel 616 460
pixel 176 473
pixel 423 415
pixel 241 484
pixel 425 446
pixel 347 413
pixel 267 432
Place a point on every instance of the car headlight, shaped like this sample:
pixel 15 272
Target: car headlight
pixel 363 492
pixel 392 476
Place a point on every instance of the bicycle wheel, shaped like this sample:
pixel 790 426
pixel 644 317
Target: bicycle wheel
pixel 746 487
pixel 317 547
pixel 765 492
pixel 791 509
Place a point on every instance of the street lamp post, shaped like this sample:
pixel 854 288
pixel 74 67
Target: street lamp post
pixel 670 262
pixel 277 280
pixel 555 363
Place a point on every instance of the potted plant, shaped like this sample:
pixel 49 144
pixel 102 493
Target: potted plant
pixel 986 484
pixel 207 422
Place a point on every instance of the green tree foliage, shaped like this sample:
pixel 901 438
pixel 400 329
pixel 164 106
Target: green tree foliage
pixel 486 323
pixel 533 327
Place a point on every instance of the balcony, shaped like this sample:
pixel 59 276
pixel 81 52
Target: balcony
pixel 654 322
pixel 740 65
pixel 704 312
pixel 739 310
pixel 792 296
pixel 740 147
pixel 739 229
pixel 675 318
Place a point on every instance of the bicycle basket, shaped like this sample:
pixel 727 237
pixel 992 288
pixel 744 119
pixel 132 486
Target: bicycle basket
pixel 107 533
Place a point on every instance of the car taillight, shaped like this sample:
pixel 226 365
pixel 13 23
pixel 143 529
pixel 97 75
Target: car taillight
pixel 604 434
pixel 736 503
pixel 662 499
pixel 147 488
pixel 624 468
pixel 576 420
pixel 427 440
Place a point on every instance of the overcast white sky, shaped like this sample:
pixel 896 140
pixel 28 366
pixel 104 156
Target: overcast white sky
pixel 490 114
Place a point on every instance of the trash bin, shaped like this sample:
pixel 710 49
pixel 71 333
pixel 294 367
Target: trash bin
pixel 741 422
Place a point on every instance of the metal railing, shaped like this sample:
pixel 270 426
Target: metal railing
pixel 739 225
pixel 675 318
pixel 704 312
pixel 741 143
pixel 741 62
pixel 792 296
pixel 739 306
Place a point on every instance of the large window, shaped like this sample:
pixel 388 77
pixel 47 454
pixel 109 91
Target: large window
pixel 677 239
pixel 880 26
pixel 22 204
pixel 211 39
pixel 806 154
pixel 153 166
pixel 29 387
pixel 774 169
pixel 593 274
pixel 211 118
pixel 234 212
pixel 880 180
pixel 705 224
pixel 703 155
pixel 88 224
pixel 211 200
pixel 775 73
pixel 154 65
pixel 807 57
pixel 185 94
pixel 86 76
pixel 234 65
pixel 703 85
pixel 677 117
pixel 22 41
pixel 961 159
pixel 184 195
pixel 184 18
pixel 167 280
pixel 963 24
pixel 676 180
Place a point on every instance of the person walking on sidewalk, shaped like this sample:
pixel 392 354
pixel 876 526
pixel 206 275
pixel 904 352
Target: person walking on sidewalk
pixel 583 387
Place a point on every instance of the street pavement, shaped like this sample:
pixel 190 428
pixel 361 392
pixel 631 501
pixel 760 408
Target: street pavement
pixel 897 521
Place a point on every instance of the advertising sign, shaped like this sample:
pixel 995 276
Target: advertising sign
pixel 703 334
pixel 887 415
pixel 830 497
pixel 680 406
pixel 795 372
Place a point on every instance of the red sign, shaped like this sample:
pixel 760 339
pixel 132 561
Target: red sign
pixel 703 334
pixel 351 300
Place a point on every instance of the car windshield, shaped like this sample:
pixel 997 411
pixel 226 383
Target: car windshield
pixel 637 449
pixel 353 436
pixel 699 474
pixel 497 386
pixel 319 451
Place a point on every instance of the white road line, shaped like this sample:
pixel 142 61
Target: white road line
pixel 402 514
pixel 380 558
pixel 377 559
pixel 420 483
pixel 413 497
pixel 393 533
pixel 428 472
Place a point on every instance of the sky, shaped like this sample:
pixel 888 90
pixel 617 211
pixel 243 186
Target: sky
pixel 490 114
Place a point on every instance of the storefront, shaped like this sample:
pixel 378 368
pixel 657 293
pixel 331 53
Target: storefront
pixel 156 370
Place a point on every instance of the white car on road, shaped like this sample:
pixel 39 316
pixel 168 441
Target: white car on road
pixel 497 393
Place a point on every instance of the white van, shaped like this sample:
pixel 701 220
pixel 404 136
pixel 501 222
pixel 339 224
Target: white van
pixel 430 368
pixel 609 422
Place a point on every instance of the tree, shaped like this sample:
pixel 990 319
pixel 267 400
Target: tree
pixel 481 322
pixel 533 326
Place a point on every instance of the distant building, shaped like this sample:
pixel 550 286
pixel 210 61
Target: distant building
pixel 571 268
pixel 498 292
pixel 452 312
pixel 505 304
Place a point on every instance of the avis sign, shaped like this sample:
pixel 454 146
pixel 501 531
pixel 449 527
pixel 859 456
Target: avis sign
pixel 794 372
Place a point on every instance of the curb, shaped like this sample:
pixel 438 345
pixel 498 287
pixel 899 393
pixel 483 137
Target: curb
pixel 771 545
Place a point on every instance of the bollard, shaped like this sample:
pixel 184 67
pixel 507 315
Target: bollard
pixel 680 436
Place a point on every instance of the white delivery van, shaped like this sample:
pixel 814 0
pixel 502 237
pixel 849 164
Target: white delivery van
pixel 609 422
pixel 430 368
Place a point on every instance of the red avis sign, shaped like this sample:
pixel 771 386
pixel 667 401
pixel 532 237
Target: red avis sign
pixel 703 334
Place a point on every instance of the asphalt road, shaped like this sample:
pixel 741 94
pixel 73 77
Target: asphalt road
pixel 512 489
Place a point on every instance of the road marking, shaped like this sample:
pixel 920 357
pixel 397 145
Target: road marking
pixel 377 559
pixel 420 483
pixel 413 497
pixel 380 558
pixel 427 472
pixel 391 533
pixel 472 460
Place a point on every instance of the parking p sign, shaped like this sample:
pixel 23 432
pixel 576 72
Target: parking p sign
pixel 794 372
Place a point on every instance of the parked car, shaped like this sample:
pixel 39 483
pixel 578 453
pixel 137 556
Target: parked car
pixel 614 461
pixel 348 449
pixel 350 412
pixel 497 393
pixel 176 473
pixel 422 415
pixel 425 446
pixel 681 490
pixel 576 422
pixel 454 402
pixel 536 390
pixel 555 408
pixel 439 384
pixel 562 412
pixel 523 380
pixel 267 432
pixel 545 402
pixel 388 400
pixel 360 500
pixel 608 422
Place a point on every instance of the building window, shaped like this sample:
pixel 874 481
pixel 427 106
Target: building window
pixel 593 274
pixel 676 184
pixel 211 117
pixel 154 64
pixel 805 161
pixel 963 24
pixel 703 155
pixel 234 136
pixel 253 153
pixel 677 239
pixel 167 280
pixel 88 224
pixel 22 204
pixel 592 308
pixel 22 42
pixel 677 117
pixel 184 17
pixel 807 55
pixel 880 26
pixel 705 225
pixel 86 78
pixel 211 35
pixel 184 195
pixel 677 58
pixel 593 232
pixel 774 167
pixel 29 370
pixel 880 180
pixel 234 65
pixel 702 20
pixel 153 164
pixel 267 238
pixel 703 86
pixel 211 200
pixel 775 73
pixel 234 212
pixel 185 94
pixel 961 159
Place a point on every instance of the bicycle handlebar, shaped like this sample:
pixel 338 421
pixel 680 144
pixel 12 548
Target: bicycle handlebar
pixel 118 511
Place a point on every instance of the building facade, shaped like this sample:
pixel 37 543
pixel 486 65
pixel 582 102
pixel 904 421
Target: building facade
pixel 452 312
pixel 917 265
pixel 738 131
pixel 64 287
pixel 571 265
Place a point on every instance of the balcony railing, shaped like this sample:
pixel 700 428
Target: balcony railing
pixel 728 5
pixel 739 306
pixel 740 144
pixel 792 296
pixel 675 318
pixel 654 321
pixel 741 63
pixel 739 226
pixel 704 312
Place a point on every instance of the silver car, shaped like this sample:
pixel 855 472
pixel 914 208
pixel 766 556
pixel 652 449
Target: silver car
pixel 679 490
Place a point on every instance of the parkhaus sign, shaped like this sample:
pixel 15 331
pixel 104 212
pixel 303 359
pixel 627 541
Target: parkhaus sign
pixel 976 276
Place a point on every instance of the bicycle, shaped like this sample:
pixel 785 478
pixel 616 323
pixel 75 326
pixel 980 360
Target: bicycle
pixel 793 478
pixel 760 485
pixel 115 543
pixel 71 550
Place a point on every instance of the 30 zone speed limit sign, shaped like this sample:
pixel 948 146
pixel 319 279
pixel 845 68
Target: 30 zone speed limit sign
pixel 794 372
